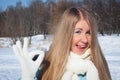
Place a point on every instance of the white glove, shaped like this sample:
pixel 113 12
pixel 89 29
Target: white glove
pixel 29 67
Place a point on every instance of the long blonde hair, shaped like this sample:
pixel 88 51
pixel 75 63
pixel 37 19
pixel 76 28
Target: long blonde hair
pixel 59 51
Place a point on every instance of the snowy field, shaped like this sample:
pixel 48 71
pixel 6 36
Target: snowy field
pixel 10 67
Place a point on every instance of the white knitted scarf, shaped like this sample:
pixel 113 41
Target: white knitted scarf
pixel 80 64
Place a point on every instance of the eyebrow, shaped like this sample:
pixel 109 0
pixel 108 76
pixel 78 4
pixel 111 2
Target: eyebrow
pixel 79 29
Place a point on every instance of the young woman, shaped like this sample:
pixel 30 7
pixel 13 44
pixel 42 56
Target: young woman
pixel 75 53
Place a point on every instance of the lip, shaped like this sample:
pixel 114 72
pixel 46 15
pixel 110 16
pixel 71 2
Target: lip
pixel 80 49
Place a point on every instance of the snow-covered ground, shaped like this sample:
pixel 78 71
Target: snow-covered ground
pixel 10 67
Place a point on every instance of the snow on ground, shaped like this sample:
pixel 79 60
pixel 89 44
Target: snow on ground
pixel 10 67
pixel 111 49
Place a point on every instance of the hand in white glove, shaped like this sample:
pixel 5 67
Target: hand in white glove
pixel 29 67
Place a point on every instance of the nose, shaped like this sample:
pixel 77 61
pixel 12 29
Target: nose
pixel 84 38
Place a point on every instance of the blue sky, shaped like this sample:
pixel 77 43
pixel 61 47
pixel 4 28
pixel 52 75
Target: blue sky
pixel 5 3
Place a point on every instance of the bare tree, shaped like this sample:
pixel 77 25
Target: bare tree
pixel 107 12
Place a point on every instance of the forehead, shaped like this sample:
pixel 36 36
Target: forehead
pixel 82 24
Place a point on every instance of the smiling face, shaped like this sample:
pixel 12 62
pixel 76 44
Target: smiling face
pixel 81 40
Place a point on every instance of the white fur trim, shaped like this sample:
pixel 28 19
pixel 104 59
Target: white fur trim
pixel 80 64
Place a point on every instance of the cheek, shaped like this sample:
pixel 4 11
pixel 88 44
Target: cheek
pixel 73 42
pixel 74 39
pixel 89 41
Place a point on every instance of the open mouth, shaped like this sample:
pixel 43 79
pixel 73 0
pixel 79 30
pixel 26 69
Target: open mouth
pixel 81 48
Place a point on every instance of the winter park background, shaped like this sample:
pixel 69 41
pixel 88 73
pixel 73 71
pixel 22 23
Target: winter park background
pixel 10 67
pixel 20 18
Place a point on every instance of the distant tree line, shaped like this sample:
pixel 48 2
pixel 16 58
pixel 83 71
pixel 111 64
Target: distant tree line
pixel 108 13
pixel 42 17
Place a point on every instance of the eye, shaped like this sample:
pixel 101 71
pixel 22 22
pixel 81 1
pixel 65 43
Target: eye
pixel 88 32
pixel 77 31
